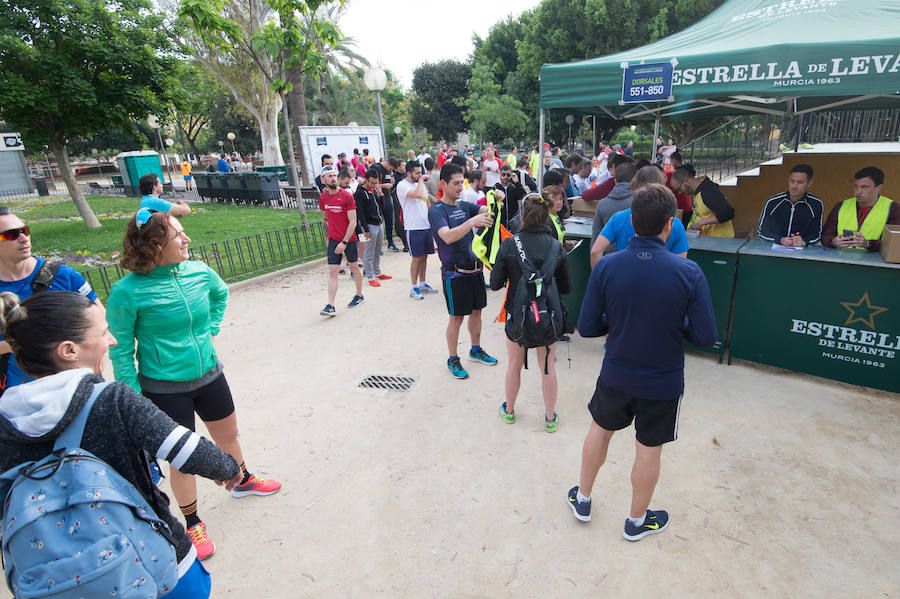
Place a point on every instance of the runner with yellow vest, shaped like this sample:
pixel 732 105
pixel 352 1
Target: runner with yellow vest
pixel 859 222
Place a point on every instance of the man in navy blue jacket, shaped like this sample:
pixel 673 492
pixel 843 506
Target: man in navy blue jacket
pixel 654 301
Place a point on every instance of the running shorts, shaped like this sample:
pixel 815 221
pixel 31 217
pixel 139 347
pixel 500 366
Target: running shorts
pixel 210 402
pixel 420 243
pixel 655 421
pixel 465 294
pixel 351 252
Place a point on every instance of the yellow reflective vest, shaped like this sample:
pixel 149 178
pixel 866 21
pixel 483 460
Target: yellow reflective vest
pixel 872 226
pixel 560 230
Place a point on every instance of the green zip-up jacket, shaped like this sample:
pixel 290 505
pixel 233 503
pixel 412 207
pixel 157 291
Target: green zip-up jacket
pixel 172 312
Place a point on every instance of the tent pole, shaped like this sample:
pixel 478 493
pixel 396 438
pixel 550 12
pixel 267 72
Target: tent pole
pixel 540 173
pixel 594 138
pixel 655 136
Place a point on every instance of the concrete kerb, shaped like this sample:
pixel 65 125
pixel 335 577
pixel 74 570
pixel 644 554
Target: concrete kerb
pixel 303 266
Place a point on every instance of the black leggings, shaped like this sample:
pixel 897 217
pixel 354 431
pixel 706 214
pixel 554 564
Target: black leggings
pixel 211 402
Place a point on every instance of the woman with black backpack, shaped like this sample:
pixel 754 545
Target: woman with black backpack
pixel 62 338
pixel 534 311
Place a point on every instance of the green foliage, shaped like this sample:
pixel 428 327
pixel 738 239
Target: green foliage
pixel 492 115
pixel 438 88
pixel 567 30
pixel 74 67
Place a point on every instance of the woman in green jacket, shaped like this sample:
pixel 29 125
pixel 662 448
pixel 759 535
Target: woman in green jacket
pixel 173 307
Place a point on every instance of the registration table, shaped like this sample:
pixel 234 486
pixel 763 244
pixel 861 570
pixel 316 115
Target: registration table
pixel 579 267
pixel 718 259
pixel 823 311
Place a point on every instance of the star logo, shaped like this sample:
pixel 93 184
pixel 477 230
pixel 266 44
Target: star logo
pixel 862 311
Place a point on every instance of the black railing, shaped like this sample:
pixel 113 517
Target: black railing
pixel 738 145
pixel 746 141
pixel 237 258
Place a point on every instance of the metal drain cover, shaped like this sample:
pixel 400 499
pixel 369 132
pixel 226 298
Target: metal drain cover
pixel 387 381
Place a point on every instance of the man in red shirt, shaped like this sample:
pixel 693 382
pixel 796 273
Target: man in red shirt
pixel 683 201
pixel 443 156
pixel 339 211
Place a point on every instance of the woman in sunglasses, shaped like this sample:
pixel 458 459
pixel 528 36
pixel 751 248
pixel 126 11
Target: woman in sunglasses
pixel 24 274
pixel 172 307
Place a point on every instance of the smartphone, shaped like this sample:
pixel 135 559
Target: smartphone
pixel 848 233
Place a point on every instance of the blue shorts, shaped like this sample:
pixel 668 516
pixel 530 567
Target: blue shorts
pixel 420 242
pixel 187 177
pixel 195 584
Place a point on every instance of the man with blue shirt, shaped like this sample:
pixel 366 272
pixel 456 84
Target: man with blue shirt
pixel 25 274
pixel 151 187
pixel 619 230
pixel 222 165
pixel 654 301
pixel 452 222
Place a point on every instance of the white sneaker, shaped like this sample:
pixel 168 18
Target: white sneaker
pixel 416 294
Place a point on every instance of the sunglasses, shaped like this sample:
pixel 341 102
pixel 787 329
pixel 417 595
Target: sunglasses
pixel 13 234
pixel 506 174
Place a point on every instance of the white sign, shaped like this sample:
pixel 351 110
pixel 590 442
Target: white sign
pixel 11 141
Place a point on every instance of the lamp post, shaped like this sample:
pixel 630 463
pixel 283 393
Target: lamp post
pixel 569 120
pixel 376 80
pixel 231 137
pixel 153 121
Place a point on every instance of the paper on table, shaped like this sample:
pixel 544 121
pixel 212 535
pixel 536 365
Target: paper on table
pixel 581 220
pixel 787 248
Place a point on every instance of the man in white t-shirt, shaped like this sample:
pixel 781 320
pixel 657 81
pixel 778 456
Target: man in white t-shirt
pixel 413 197
pixel 491 167
pixel 474 194
pixel 423 154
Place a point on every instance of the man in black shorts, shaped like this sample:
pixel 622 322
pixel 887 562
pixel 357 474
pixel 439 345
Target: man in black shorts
pixel 654 301
pixel 462 280
pixel 339 210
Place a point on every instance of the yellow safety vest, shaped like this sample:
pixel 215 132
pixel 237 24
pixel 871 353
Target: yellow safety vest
pixel 557 222
pixel 873 225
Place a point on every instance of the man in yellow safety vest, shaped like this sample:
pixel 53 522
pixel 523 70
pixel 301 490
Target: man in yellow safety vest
pixel 858 222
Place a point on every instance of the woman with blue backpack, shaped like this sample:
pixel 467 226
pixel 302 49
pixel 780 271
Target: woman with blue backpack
pixel 534 263
pixel 172 308
pixel 81 515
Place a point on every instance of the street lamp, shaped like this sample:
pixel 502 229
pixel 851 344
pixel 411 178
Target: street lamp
pixel 569 120
pixel 397 131
pixel 376 80
pixel 231 137
pixel 153 122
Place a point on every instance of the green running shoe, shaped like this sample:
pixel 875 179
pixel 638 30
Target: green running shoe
pixel 508 417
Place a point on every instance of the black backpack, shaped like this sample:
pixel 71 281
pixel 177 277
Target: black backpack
pixel 536 314
pixel 41 282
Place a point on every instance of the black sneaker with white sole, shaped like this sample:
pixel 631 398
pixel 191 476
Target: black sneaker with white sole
pixel 581 509
pixel 654 522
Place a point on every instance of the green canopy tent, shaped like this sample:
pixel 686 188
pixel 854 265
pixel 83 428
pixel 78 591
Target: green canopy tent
pixel 750 56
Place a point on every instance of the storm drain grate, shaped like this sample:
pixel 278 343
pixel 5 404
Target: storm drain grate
pixel 389 382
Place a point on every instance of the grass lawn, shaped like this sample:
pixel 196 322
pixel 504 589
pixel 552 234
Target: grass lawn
pixel 57 232
pixel 81 247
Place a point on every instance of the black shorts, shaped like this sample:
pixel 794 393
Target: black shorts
pixel 211 402
pixel 655 421
pixel 350 252
pixel 464 294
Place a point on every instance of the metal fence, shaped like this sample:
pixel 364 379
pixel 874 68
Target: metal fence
pixel 237 258
pixel 746 141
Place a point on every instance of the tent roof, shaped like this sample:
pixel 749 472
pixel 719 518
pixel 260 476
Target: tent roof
pixel 753 55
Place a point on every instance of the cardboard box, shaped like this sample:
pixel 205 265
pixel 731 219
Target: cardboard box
pixel 583 208
pixel 890 243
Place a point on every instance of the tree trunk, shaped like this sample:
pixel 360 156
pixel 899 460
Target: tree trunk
pixel 297 110
pixel 65 171
pixel 268 132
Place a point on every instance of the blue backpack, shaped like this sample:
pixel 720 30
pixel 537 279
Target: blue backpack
pixel 74 528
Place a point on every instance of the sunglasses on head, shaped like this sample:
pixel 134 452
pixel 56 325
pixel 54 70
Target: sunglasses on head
pixel 13 234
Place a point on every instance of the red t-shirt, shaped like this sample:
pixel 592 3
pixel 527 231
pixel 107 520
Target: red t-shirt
pixel 441 159
pixel 335 207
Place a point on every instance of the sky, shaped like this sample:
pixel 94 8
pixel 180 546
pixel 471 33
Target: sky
pixel 403 35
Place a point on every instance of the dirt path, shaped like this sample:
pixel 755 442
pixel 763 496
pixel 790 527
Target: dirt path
pixel 780 485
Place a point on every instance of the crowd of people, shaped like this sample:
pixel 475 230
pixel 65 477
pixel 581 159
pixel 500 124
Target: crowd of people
pixel 161 319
